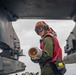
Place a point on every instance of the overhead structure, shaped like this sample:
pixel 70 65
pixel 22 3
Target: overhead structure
pixel 40 9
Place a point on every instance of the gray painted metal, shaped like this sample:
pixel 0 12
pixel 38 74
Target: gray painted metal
pixel 70 48
pixel 8 66
pixel 10 44
pixel 45 9
pixel 1 65
pixel 71 42
pixel 70 59
pixel 7 33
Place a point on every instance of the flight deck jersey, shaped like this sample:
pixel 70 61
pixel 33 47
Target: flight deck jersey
pixel 57 51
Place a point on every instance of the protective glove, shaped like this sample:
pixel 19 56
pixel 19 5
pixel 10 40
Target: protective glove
pixel 35 60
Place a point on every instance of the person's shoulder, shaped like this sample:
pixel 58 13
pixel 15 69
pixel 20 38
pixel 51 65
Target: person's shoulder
pixel 48 38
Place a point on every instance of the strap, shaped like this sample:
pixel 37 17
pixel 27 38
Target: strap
pixel 54 68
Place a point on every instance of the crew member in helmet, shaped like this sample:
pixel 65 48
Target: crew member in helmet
pixel 51 60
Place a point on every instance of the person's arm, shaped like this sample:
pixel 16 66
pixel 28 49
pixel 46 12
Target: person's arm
pixel 48 49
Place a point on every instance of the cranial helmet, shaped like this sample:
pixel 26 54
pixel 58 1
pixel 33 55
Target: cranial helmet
pixel 41 25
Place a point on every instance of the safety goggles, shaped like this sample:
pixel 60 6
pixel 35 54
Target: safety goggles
pixel 39 29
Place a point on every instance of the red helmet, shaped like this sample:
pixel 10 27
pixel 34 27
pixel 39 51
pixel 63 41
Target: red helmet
pixel 41 25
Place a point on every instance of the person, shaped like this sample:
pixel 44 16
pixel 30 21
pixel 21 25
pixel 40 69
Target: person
pixel 51 60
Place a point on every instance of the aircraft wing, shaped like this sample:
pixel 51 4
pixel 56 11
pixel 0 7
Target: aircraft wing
pixel 40 9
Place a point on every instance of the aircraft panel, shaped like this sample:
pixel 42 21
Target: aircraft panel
pixel 46 9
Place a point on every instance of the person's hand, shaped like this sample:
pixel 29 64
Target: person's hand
pixel 35 60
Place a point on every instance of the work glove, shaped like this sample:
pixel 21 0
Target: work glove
pixel 35 60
